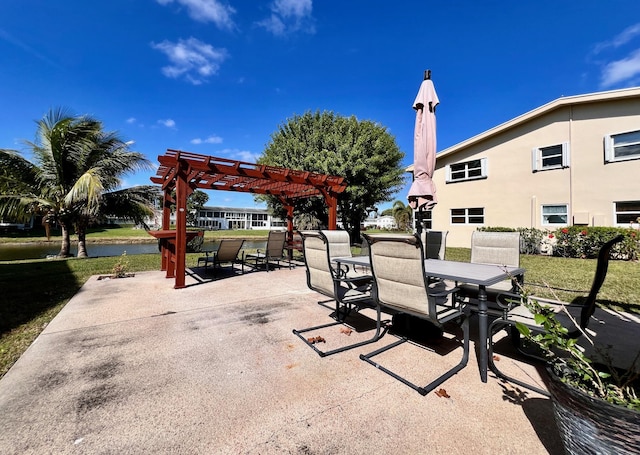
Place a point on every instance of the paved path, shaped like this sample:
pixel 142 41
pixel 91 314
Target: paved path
pixel 132 366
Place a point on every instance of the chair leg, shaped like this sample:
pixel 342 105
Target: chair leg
pixel 493 329
pixel 436 382
pixel 379 333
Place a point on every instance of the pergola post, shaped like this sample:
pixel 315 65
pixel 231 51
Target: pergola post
pixel 181 226
pixel 332 203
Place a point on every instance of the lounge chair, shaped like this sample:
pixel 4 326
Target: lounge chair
pixel 274 251
pixel 348 289
pixel 227 253
pixel 401 285
pixel 514 313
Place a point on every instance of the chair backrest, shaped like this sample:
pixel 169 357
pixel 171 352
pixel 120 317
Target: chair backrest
pixel 398 271
pixel 228 250
pixel 339 243
pixel 500 248
pixel 601 272
pixel 316 261
pixel 434 243
pixel 275 243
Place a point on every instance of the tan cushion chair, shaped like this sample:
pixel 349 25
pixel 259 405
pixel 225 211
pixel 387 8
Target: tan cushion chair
pixel 401 285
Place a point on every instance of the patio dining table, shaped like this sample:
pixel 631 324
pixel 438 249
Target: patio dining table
pixel 482 275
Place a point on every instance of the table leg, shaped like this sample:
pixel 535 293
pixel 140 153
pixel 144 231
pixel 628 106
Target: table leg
pixel 483 322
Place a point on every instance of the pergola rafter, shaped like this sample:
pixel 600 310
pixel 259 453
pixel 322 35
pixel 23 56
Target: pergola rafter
pixel 185 172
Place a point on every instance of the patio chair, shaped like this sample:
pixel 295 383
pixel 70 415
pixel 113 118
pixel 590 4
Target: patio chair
pixel 274 251
pixel 349 290
pixel 579 312
pixel 434 243
pixel 501 249
pixel 227 253
pixel 401 285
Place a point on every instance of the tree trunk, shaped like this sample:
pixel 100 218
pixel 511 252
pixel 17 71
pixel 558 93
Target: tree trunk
pixel 65 248
pixel 82 245
pixel 81 230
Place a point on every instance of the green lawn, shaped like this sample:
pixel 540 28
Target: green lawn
pixel 34 291
pixel 119 233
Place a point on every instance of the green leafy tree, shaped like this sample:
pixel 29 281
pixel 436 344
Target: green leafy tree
pixel 403 215
pixel 74 178
pixel 360 150
pixel 195 202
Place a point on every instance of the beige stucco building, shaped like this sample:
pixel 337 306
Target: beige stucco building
pixel 574 161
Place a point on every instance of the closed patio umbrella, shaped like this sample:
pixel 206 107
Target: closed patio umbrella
pixel 422 194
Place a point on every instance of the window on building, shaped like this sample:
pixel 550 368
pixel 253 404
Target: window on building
pixel 426 218
pixel 555 214
pixel 627 212
pixel 620 147
pixel 467 216
pixel 469 170
pixel 552 157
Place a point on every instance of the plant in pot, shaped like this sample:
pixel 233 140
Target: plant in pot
pixel 596 406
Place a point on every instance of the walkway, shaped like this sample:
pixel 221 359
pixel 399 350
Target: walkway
pixel 135 366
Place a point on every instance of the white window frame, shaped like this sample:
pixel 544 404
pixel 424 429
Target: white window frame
pixel 466 177
pixel 633 213
pixel 466 216
pixel 610 147
pixel 537 161
pixel 545 222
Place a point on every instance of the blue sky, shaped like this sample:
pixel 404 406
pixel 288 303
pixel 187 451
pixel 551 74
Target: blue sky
pixel 218 77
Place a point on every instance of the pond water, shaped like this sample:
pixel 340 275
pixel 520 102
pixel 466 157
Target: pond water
pixel 12 252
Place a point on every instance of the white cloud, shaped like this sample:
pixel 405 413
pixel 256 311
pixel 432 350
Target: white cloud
pixel 619 40
pixel 237 154
pixel 288 16
pixel 210 140
pixel 191 59
pixel 207 11
pixel 168 123
pixel 619 71
pixel 131 120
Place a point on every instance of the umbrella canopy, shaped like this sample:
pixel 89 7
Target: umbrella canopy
pixel 422 194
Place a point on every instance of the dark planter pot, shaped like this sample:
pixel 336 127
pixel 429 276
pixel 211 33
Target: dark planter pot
pixel 589 425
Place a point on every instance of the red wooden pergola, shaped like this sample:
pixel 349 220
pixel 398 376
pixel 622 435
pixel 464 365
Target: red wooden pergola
pixel 184 172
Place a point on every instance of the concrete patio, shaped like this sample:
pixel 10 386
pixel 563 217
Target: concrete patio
pixel 135 366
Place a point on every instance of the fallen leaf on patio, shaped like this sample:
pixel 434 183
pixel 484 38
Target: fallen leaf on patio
pixel 346 331
pixel 442 393
pixel 314 340
pixel 496 358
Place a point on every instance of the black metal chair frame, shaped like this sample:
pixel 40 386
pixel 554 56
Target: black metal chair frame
pixel 506 300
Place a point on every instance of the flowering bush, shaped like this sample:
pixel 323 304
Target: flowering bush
pixel 576 241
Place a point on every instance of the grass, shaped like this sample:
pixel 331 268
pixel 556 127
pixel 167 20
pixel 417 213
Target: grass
pixel 34 291
pixel 118 233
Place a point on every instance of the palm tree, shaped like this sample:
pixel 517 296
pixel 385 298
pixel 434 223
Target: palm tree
pixel 403 215
pixel 75 177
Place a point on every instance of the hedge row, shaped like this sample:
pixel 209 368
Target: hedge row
pixel 576 241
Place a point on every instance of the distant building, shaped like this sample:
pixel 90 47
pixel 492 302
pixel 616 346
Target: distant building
pixel 222 218
pixel 380 222
pixel 573 161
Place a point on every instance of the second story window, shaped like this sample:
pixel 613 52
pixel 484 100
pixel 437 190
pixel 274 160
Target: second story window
pixel 469 170
pixel 620 147
pixel 551 157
